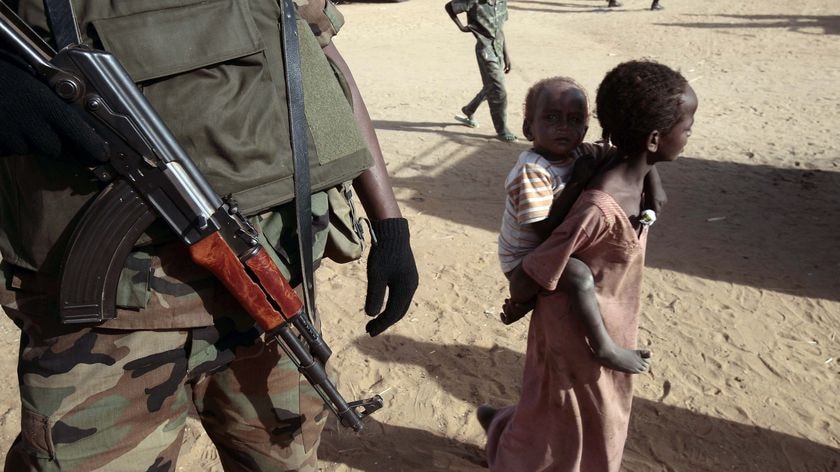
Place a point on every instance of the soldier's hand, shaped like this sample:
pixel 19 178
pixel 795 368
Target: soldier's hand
pixel 33 120
pixel 390 265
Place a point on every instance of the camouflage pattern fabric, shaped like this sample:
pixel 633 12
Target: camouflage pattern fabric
pixel 486 19
pixel 116 396
pixel 97 399
pixel 492 70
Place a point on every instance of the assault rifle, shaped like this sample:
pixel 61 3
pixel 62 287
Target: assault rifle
pixel 149 176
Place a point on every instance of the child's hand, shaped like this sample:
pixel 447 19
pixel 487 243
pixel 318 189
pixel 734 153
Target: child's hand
pixel 513 311
pixel 655 197
pixel 656 200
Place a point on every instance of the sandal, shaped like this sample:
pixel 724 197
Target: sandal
pixel 467 121
pixel 506 137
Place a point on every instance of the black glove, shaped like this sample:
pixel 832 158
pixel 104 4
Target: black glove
pixel 390 264
pixel 33 120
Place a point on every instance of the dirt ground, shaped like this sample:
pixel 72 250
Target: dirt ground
pixel 742 285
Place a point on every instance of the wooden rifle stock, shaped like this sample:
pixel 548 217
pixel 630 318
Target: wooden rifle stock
pixel 214 254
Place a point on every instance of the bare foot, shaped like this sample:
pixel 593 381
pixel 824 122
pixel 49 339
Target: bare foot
pixel 624 360
pixel 513 311
pixel 485 415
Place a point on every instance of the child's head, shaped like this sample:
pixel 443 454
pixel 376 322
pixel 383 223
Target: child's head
pixel 556 117
pixel 641 103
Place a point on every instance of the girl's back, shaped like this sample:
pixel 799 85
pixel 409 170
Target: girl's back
pixel 564 384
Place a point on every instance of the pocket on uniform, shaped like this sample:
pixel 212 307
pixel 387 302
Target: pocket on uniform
pixel 159 43
pixel 36 434
pixel 203 68
pixel 345 239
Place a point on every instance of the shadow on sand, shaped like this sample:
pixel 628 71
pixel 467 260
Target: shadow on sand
pixel 660 434
pixel 830 24
pixel 766 227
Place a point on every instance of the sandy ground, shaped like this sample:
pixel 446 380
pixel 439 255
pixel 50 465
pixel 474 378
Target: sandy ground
pixel 742 286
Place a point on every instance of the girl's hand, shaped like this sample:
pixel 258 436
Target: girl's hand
pixel 656 200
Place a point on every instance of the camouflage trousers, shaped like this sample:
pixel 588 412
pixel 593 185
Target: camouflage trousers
pixel 114 400
pixel 492 69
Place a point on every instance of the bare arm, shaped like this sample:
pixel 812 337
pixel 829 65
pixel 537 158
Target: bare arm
pixel 655 197
pixel 545 227
pixel 581 175
pixel 455 19
pixel 390 265
pixel 522 287
pixel 374 185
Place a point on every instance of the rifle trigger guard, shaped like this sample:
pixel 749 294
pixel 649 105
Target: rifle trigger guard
pixel 368 406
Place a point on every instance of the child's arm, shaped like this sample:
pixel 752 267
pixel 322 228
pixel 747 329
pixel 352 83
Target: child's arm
pixel 522 287
pixel 506 58
pixel 655 197
pixel 585 168
pixel 577 281
pixel 454 17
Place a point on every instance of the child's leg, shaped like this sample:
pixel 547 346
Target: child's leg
pixel 577 281
pixel 514 311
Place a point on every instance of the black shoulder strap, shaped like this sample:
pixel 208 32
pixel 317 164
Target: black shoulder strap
pixel 62 23
pixel 297 134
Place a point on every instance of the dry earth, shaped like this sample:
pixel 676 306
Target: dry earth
pixel 742 286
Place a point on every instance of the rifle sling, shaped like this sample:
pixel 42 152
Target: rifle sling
pixel 62 23
pixel 297 137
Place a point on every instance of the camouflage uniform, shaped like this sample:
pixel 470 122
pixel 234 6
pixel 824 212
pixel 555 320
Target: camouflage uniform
pixel 116 396
pixel 485 18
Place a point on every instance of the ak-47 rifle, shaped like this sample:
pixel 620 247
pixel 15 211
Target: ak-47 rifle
pixel 150 176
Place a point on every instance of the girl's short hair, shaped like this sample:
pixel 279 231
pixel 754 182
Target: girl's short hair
pixel 637 98
pixel 534 93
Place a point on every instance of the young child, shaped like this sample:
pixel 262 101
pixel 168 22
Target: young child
pixel 556 120
pixel 573 414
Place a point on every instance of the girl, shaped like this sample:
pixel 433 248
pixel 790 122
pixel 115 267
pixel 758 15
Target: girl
pixel 541 188
pixel 573 413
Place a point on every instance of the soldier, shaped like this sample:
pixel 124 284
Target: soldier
pixel 116 395
pixel 485 19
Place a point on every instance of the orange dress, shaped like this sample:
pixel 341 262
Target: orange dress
pixel 573 414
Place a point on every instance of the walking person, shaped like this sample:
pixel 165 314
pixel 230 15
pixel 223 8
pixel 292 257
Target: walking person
pixel 485 20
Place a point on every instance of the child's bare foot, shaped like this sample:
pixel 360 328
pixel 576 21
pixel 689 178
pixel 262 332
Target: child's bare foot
pixel 485 415
pixel 624 360
pixel 513 311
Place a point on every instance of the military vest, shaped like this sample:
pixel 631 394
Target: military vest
pixel 213 71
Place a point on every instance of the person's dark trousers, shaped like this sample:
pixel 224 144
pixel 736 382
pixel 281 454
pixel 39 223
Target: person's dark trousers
pixel 493 78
